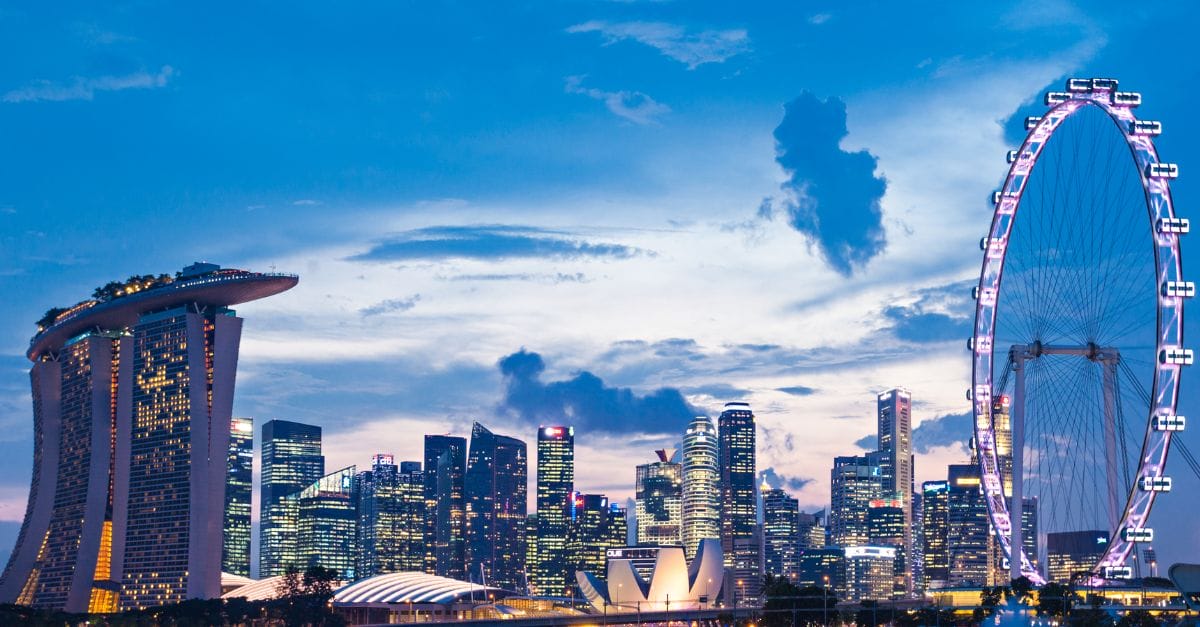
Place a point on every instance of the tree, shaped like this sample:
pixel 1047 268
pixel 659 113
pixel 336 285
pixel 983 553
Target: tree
pixel 1054 599
pixel 1137 618
pixel 304 599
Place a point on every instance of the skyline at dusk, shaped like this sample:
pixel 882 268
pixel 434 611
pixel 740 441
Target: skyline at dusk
pixel 611 216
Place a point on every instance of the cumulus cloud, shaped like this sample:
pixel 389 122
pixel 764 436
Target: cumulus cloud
pixel 867 442
pixel 945 430
pixel 85 88
pixel 488 242
pixel 692 49
pixel 586 402
pixel 779 481
pixel 831 196
pixel 392 305
pixel 939 314
pixel 631 105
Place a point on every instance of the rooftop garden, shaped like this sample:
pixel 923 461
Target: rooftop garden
pixel 108 292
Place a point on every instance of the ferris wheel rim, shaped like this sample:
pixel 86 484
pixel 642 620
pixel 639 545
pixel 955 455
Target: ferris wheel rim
pixel 1102 94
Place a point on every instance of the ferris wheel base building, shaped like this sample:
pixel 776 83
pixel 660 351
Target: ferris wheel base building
pixel 132 404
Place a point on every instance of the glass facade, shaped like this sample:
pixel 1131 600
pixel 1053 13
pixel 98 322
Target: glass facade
pixel 855 482
pixel 823 568
pixel 445 506
pixel 969 539
pixel 781 534
pixel 896 462
pixel 235 552
pixel 391 518
pixel 886 528
pixel 701 485
pixel 740 539
pixel 595 527
pixel 869 573
pixel 327 523
pixel 496 491
pixel 659 502
pixel 1071 552
pixel 291 461
pixel 935 531
pixel 550 575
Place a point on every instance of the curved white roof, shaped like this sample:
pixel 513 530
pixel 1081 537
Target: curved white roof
pixel 261 590
pixel 414 587
pixel 230 579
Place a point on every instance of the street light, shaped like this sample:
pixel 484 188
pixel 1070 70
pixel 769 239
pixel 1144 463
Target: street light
pixel 825 599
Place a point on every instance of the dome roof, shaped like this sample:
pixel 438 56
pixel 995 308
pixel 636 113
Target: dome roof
pixel 414 587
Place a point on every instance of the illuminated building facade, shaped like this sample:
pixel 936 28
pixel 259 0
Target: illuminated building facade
pixel 968 533
pixel 811 530
pixel 239 489
pixel 781 534
pixel 855 481
pixel 391 517
pixel 741 543
pixel 1071 552
pixel 549 575
pixel 701 485
pixel 132 401
pixel 935 532
pixel 659 502
pixel 823 568
pixel 445 506
pixel 886 527
pixel 496 493
pixel 327 523
pixel 595 527
pixel 870 573
pixel 291 461
pixel 896 463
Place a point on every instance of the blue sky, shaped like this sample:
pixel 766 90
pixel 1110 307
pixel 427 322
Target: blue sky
pixel 673 204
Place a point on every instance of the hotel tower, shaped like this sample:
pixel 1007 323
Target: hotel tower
pixel 132 406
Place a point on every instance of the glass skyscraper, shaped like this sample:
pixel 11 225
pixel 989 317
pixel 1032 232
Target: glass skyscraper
pixel 740 539
pixel 596 526
pixel 445 506
pixel 132 403
pixel 391 518
pixel 496 493
pixel 855 482
pixel 327 523
pixel 555 485
pixel 896 464
pixel 291 462
pixel 658 495
pixel 701 485
pixel 781 539
pixel 239 489
pixel 935 531
pixel 969 531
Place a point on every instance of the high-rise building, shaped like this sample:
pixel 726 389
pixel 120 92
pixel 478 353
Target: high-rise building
pixel 659 501
pixel 935 532
pixel 741 542
pixel 917 559
pixel 811 530
pixel 886 528
pixel 496 493
pixel 595 527
pixel 291 462
pixel 855 482
pixel 391 518
pixel 870 573
pixel 327 523
pixel 445 506
pixel 239 490
pixel 132 403
pixel 555 485
pixel 701 485
pixel 823 568
pixel 1071 552
pixel 896 462
pixel 968 532
pixel 781 534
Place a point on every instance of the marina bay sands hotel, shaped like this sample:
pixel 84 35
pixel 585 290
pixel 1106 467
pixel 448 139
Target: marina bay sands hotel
pixel 132 403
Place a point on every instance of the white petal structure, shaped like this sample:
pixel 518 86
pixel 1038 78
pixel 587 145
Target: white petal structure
pixel 673 584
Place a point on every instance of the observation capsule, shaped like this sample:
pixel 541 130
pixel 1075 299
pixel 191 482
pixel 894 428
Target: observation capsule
pixel 1162 171
pixel 1104 84
pixel 1176 356
pixel 1032 121
pixel 1170 423
pixel 1155 484
pixel 1178 289
pixel 1174 225
pixel 1117 572
pixel 1011 157
pixel 1145 127
pixel 1079 84
pixel 1137 534
pixel 1056 97
pixel 1126 98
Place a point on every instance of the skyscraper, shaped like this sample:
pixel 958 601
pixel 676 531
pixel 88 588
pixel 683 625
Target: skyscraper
pixel 896 463
pixel 445 506
pixel 391 518
pixel 555 485
pixel 969 533
pixel 886 528
pixel 740 540
pixel 496 494
pixel 701 485
pixel 935 531
pixel 870 573
pixel 239 489
pixel 1071 552
pixel 781 541
pixel 291 462
pixel 855 482
pixel 595 527
pixel 327 523
pixel 132 403
pixel 659 501
pixel 811 533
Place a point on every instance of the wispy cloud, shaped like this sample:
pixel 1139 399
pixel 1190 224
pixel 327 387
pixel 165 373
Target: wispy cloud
pixel 631 105
pixel 85 88
pixel 305 202
pixel 555 278
pixel 489 242
pixel 392 305
pixel 819 18
pixel 693 49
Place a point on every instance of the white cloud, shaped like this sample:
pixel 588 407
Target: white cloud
pixel 819 18
pixel 85 88
pixel 631 105
pixel 693 49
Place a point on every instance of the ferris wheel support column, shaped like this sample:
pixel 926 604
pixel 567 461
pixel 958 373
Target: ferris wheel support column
pixel 1016 516
pixel 1109 366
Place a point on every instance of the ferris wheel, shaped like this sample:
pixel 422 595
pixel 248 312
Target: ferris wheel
pixel 1077 353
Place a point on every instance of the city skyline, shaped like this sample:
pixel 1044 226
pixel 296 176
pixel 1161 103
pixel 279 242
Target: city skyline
pixel 465 263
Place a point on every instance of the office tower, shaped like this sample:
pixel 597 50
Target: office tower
pixel 935 532
pixel 855 482
pixel 596 526
pixel 327 523
pixel 239 489
pixel 886 528
pixel 896 461
pixel 870 573
pixel 969 534
pixel 823 568
pixel 531 548
pixel 741 542
pixel 1071 552
pixel 445 506
pixel 659 501
pixel 917 559
pixel 555 484
pixel 291 462
pixel 132 403
pixel 811 530
pixel 496 493
pixel 701 485
pixel 391 518
pixel 781 539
